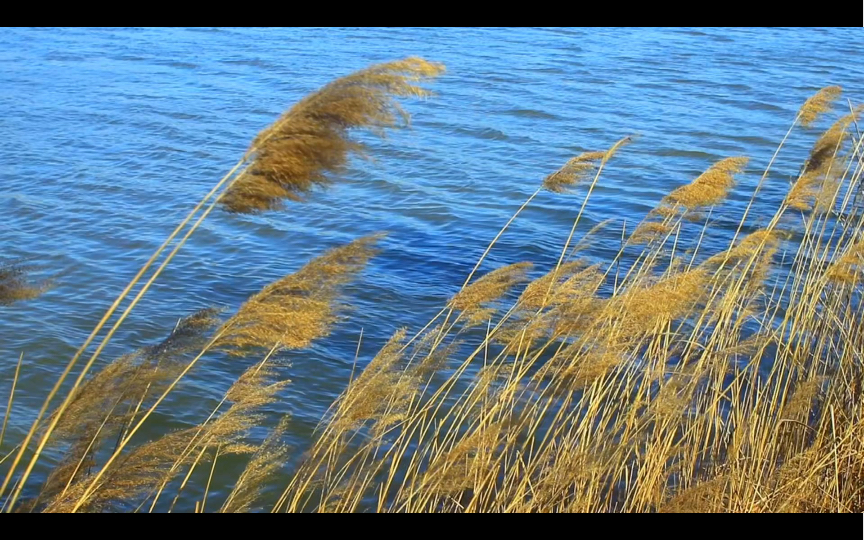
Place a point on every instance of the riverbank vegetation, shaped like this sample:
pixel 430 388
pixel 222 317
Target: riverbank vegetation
pixel 668 378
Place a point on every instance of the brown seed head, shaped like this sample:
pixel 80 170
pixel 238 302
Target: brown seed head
pixel 710 188
pixel 301 307
pixel 818 104
pixel 295 154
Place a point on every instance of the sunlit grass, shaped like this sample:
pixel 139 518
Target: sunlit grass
pixel 668 378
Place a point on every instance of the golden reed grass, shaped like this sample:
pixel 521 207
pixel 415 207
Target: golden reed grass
pixel 327 116
pixel 671 378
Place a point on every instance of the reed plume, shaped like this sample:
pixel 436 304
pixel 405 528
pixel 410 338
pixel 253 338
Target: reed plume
pixel 819 179
pixel 709 188
pixel 576 171
pixel 140 472
pixel 475 299
pixel 108 401
pixel 132 377
pixel 15 285
pixel 747 247
pixel 646 306
pixel 312 139
pixel 818 104
pixel 380 393
pixel 301 307
pixel 848 269
pixel 648 232
pixel 267 459
pixel 536 294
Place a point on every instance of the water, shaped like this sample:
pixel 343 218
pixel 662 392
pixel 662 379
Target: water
pixel 111 136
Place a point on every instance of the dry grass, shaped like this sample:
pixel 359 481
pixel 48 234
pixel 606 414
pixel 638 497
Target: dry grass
pixel 675 379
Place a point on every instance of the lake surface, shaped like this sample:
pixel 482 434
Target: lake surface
pixel 110 136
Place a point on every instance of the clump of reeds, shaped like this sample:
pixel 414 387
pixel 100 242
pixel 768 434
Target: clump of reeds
pixel 679 379
pixel 312 139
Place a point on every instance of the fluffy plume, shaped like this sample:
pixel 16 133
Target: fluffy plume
pixel 818 182
pixel 710 188
pixel 14 285
pixel 819 104
pixel 266 460
pixel 294 155
pixel 546 289
pixel 804 191
pixel 643 308
pixel 380 394
pixel 648 232
pixel 301 307
pixel 579 168
pixel 135 475
pixel 142 470
pixel 473 300
pixel 755 242
pixel 573 173
pixel 831 142
pixel 848 268
pixel 109 399
pixel 132 377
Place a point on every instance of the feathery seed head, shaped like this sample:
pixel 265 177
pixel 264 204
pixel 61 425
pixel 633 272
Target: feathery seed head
pixel 473 300
pixel 709 188
pixel 301 307
pixel 294 155
pixel 818 104
pixel 14 286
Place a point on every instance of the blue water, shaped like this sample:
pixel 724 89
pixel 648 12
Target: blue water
pixel 110 136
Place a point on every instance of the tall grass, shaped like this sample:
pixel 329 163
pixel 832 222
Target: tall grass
pixel 668 378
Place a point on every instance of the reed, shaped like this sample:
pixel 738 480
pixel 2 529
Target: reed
pixel 674 376
pixel 15 285
pixel 364 99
